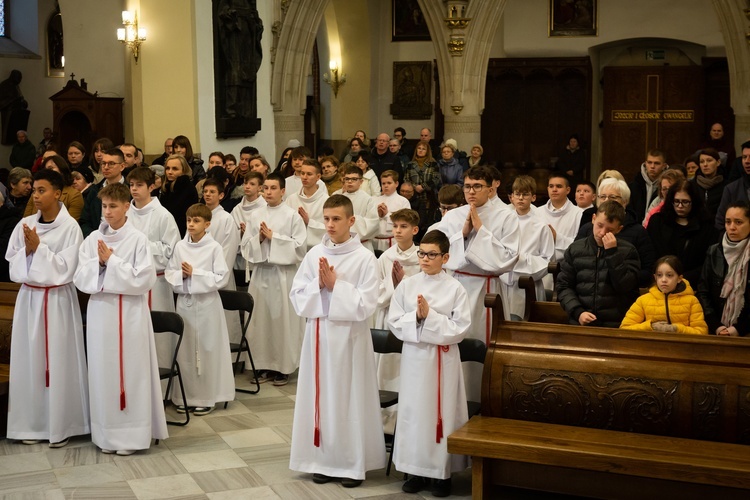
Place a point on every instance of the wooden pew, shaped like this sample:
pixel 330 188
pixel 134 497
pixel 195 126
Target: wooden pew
pixel 610 413
pixel 540 311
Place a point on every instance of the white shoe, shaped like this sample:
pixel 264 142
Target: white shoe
pixel 31 441
pixel 59 444
pixel 125 453
pixel 108 452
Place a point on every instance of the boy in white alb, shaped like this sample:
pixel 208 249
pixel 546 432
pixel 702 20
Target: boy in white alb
pixel 308 201
pixel 225 231
pixel 431 313
pixel 48 393
pixel 152 219
pixel 365 208
pixel 398 262
pixel 387 203
pixel 274 244
pixel 252 187
pixel 297 158
pixel 115 266
pixel 197 271
pixel 536 248
pixel 562 216
pixel 337 432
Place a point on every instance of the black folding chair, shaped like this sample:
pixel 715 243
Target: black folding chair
pixel 243 303
pixel 384 342
pixel 169 322
pixel 473 350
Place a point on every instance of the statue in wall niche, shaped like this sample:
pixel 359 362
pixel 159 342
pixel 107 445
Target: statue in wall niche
pixel 238 59
pixel 13 108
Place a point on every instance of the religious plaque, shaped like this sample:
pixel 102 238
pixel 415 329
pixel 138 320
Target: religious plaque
pixel 573 17
pixel 412 87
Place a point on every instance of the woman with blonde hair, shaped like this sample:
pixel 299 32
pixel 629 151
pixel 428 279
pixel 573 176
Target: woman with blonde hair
pixel 423 173
pixel 177 191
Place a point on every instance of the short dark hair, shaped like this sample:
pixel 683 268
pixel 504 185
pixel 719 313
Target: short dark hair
pixel 115 152
pixel 339 200
pixel 276 176
pixel 219 174
pixel 400 129
pixel 249 150
pixel 743 205
pixel 745 145
pixel 300 152
pixel 199 210
pixel 657 152
pixel 141 174
pixel 438 238
pixel 451 194
pixel 589 184
pixel 230 157
pixel 118 192
pixel 217 153
pixel 479 174
pixel 353 170
pixel 559 175
pixel 211 181
pixel 406 215
pixel 54 178
pixel 612 210
pixel 312 162
pixel 254 175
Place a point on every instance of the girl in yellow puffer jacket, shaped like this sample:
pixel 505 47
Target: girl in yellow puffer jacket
pixel 669 306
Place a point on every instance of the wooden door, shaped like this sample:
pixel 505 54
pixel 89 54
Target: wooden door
pixel 651 108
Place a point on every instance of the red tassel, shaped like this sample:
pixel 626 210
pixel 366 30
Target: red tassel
pixel 46 377
pixel 316 438
pixel 122 401
pixel 439 434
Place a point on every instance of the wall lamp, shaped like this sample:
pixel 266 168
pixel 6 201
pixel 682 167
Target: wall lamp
pixel 131 35
pixel 335 80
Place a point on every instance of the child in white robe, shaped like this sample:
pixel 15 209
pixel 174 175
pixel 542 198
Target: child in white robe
pixel 536 250
pixel 274 243
pixel 395 264
pixel 337 432
pixel 387 203
pixel 148 216
pixel 430 312
pixel 48 393
pixel 225 231
pixel 115 266
pixel 365 209
pixel 308 201
pixel 197 271
pixel 252 200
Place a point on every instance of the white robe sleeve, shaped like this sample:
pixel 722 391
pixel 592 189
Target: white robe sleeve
pixel 356 301
pixel 44 266
pixel 308 299
pixel 173 272
pixel 130 278
pixel 162 249
pixel 209 280
pixel 368 225
pixel 253 251
pixel 385 288
pixel 89 276
pixel 491 254
pixel 286 250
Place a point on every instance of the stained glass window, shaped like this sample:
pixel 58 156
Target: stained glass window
pixel 2 17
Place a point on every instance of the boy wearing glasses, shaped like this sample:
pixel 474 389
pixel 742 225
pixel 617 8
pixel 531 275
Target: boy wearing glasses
pixel 367 220
pixel 536 249
pixel 431 313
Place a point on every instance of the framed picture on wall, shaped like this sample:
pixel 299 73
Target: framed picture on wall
pixel 412 90
pixel 409 24
pixel 573 17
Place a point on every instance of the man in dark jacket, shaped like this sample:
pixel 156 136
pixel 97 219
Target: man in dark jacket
pixel 737 190
pixel 383 159
pixel 598 280
pixel 23 153
pixel 645 186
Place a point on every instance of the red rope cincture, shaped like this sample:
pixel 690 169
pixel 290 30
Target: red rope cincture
pixel 316 433
pixel 439 428
pixel 122 371
pixel 488 321
pixel 46 328
pixel 389 238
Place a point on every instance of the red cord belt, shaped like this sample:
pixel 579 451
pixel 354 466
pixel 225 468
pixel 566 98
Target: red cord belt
pixel 488 322
pixel 46 323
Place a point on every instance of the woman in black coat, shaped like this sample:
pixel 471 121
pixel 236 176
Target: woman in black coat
pixel 178 192
pixel 683 228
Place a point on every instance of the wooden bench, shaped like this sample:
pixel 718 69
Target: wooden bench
pixel 610 413
pixel 540 311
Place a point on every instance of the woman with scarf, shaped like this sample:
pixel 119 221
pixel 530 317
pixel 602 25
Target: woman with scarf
pixel 709 180
pixel 422 171
pixel 723 291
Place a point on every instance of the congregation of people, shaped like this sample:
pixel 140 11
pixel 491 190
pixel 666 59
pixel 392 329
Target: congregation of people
pixel 407 236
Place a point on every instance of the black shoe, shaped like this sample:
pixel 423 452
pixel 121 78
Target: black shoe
pixel 415 484
pixel 321 479
pixel 350 483
pixel 441 487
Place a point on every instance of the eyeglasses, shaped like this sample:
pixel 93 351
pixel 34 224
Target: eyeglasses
pixel 110 163
pixel 605 197
pixel 445 208
pixel 352 179
pixel 522 195
pixel 474 187
pixel 684 203
pixel 430 255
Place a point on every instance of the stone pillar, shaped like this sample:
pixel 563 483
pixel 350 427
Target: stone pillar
pixel 288 127
pixel 462 32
